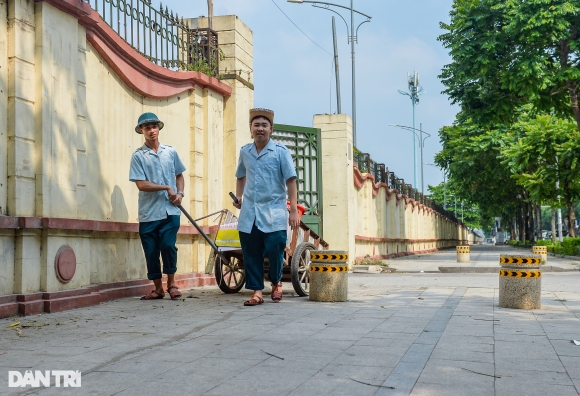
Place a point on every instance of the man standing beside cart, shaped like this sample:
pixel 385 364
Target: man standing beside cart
pixel 264 175
pixel 157 171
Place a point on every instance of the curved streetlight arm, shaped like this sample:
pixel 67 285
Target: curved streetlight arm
pixel 336 5
pixel 337 13
pixel 412 130
pixel 356 32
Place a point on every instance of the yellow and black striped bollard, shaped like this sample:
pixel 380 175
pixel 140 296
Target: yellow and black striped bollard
pixel 520 281
pixel 542 251
pixel 328 275
pixel 463 254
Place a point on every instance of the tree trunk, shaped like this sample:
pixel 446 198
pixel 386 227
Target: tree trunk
pixel 553 225
pixel 574 102
pixel 571 218
pixel 539 230
pixel 570 206
pixel 514 230
pixel 529 222
pixel 522 221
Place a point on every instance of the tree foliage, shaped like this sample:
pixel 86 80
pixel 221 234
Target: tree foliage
pixel 510 53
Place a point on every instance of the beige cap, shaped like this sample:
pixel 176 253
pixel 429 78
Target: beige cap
pixel 269 114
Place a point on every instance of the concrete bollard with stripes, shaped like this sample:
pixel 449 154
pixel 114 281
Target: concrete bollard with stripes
pixel 328 275
pixel 542 251
pixel 520 281
pixel 463 254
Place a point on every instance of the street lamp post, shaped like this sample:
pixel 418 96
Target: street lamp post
pixel 415 89
pixel 352 39
pixel 421 144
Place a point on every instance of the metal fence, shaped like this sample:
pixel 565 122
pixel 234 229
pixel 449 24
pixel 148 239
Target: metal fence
pixel 382 175
pixel 160 35
pixel 304 144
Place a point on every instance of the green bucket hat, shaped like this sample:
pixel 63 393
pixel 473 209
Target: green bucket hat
pixel 147 118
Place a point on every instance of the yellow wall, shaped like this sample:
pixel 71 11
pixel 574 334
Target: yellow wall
pixel 67 131
pixel 351 212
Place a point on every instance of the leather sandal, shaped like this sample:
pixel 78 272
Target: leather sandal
pixel 174 292
pixel 254 300
pixel 277 292
pixel 153 295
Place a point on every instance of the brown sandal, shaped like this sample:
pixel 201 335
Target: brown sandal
pixel 174 292
pixel 254 300
pixel 277 292
pixel 153 295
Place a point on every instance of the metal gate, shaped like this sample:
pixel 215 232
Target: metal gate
pixel 304 144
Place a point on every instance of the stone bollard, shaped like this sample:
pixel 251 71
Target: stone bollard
pixel 328 275
pixel 520 282
pixel 463 254
pixel 542 251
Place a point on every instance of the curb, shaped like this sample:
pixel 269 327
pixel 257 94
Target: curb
pixel 493 270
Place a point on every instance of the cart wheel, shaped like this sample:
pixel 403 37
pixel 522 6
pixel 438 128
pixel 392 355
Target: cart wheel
pixel 230 276
pixel 299 268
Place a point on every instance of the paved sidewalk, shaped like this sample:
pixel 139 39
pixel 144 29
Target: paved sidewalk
pixel 399 334
pixel 484 258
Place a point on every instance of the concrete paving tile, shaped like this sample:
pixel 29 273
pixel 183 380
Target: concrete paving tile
pixel 254 381
pixel 418 353
pixel 524 350
pixel 511 337
pixel 328 384
pixel 509 387
pixel 528 364
pixel 430 389
pixel 384 342
pixel 368 356
pixel 566 347
pixel 458 373
pixel 540 375
pixel 463 355
pixel 402 379
pixel 572 366
pixel 140 366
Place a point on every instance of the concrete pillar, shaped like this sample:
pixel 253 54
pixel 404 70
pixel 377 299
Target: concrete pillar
pixel 236 70
pixel 21 98
pixel 338 182
pixel 3 105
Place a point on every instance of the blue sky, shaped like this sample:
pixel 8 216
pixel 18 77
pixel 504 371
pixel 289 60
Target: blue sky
pixel 293 76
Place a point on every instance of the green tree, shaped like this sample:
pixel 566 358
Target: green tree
pixel 470 155
pixel 510 53
pixel 542 151
pixel 470 214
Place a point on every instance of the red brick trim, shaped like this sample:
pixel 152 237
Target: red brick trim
pixel 141 75
pixel 49 302
pixel 361 178
pixel 402 254
pixel 375 239
pixel 53 223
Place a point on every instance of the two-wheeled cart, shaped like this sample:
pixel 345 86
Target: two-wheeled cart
pixel 228 261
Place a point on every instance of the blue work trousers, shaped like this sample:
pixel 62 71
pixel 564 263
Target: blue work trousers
pixel 159 237
pixel 256 246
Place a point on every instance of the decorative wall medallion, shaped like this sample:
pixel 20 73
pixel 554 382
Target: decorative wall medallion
pixel 65 264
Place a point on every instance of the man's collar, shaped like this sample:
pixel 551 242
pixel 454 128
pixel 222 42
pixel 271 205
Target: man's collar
pixel 269 146
pixel 147 148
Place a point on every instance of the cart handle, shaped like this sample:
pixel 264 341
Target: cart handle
pixel 204 235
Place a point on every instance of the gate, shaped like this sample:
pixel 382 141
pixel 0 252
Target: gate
pixel 304 144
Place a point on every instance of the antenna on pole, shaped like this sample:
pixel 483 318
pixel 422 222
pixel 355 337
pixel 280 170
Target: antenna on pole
pixel 415 89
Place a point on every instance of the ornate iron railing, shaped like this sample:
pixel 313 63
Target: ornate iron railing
pixel 382 175
pixel 160 35
pixel 304 144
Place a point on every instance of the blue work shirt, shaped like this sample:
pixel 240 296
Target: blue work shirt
pixel 159 167
pixel 264 198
